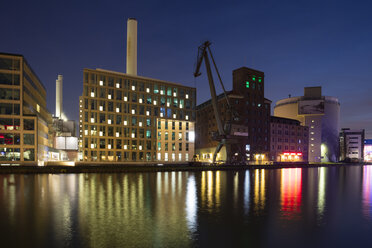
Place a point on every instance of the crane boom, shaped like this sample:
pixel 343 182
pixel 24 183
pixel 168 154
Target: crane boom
pixel 203 55
pixel 224 129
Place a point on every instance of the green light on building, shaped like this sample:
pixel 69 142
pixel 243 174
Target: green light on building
pixel 254 78
pixel 259 80
pixel 247 84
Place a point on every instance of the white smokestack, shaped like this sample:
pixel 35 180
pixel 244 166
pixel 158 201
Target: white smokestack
pixel 132 46
pixel 59 86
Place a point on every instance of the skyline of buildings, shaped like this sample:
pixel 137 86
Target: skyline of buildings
pixel 149 104
pixel 124 117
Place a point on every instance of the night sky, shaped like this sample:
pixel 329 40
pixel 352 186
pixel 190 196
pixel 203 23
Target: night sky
pixel 296 44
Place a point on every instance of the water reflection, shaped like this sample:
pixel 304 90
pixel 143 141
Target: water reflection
pixel 210 190
pixel 246 192
pixel 367 191
pixel 291 198
pixel 321 190
pixel 191 204
pixel 259 190
pixel 186 209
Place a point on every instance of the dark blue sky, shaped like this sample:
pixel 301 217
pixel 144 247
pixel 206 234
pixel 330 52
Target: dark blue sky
pixel 296 44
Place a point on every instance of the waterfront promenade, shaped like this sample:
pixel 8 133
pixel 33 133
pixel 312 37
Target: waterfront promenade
pixel 116 168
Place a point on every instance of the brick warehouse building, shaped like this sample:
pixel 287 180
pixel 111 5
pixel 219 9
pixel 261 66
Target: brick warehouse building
pixel 289 140
pixel 253 124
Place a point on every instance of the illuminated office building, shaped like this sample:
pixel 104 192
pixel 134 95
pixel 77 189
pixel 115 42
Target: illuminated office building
pixel 130 118
pixel 23 115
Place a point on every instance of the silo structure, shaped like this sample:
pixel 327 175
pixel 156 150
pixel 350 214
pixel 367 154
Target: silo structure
pixel 132 46
pixel 331 129
pixel 322 115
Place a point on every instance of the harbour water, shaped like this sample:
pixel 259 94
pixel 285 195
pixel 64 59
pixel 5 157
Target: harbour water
pixel 303 207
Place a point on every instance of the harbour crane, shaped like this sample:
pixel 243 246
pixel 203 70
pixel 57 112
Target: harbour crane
pixel 223 136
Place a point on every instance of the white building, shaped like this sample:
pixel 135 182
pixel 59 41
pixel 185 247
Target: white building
pixel 351 145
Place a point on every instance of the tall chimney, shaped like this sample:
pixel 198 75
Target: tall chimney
pixel 132 46
pixel 59 86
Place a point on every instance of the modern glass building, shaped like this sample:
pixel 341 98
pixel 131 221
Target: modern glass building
pixel 23 115
pixel 127 118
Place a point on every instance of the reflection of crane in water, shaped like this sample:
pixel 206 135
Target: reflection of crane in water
pixel 224 129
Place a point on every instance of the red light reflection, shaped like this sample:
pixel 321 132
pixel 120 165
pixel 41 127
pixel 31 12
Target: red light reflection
pixel 290 193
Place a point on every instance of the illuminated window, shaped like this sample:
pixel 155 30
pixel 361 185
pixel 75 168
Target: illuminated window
pixel 254 78
pixel 247 84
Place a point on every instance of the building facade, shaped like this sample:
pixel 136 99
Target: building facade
pixel 321 114
pixel 252 124
pixel 367 150
pixel 129 118
pixel 351 145
pixel 289 140
pixel 24 118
